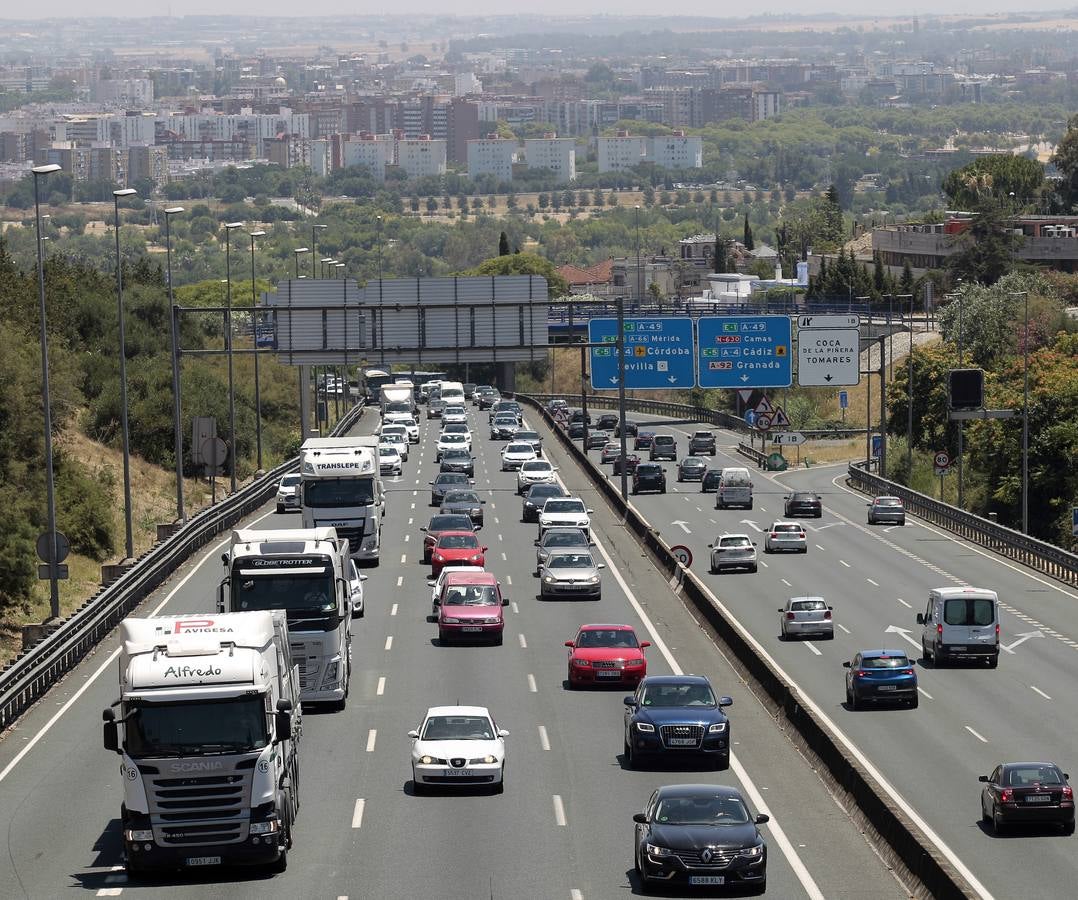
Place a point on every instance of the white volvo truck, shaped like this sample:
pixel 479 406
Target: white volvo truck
pixel 303 571
pixel 207 731
pixel 341 488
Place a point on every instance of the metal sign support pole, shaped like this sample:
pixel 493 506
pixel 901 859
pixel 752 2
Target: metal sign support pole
pixel 621 400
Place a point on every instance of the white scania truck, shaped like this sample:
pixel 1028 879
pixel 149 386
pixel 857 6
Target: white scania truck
pixel 210 715
pixel 341 488
pixel 303 571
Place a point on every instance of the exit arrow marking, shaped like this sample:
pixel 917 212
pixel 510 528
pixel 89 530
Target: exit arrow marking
pixel 1022 638
pixel 904 633
pixel 752 523
pixel 684 526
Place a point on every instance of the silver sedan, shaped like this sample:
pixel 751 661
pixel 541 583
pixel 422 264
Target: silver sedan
pixel 570 574
pixel 786 536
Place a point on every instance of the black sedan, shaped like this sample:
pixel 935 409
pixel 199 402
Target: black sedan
pixel 455 481
pixel 710 482
pixel 631 429
pixel 803 503
pixel 596 440
pixel 607 421
pixel 648 476
pixel 537 495
pixel 459 461
pixel 691 468
pixel 1027 793
pixel 643 440
pixel 576 430
pixel 699 835
pixel 676 715
pixel 467 503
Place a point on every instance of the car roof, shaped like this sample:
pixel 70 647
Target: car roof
pixel 1014 765
pixel 471 578
pixel 694 459
pixel 694 790
pixel 458 711
pixel 563 529
pixel 876 654
pixel 598 627
pixel 458 533
pixel 676 679
pixel 886 497
pixel 792 599
pixel 730 534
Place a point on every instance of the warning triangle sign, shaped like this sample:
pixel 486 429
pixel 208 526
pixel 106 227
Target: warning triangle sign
pixel 779 419
pixel 744 395
pixel 764 407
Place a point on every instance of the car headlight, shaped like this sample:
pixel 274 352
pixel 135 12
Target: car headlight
pixel 451 620
pixel 583 663
pixel 752 852
pixel 717 728
pixel 476 557
pixel 656 850
pixel 438 556
pixel 548 579
pixel 594 579
pixel 646 727
pixel 426 760
pixel 483 759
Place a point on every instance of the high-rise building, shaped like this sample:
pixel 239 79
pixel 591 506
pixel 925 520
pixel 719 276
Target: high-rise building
pixel 420 156
pixel 620 152
pixel 676 151
pixel 367 150
pixel 492 155
pixel 554 153
pixel 147 162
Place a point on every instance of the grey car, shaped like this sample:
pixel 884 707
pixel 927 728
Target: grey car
pixel 435 408
pixel 556 540
pixel 467 503
pixel 448 481
pixel 806 615
pixel 691 468
pixel 570 573
pixel 597 440
pixel 886 509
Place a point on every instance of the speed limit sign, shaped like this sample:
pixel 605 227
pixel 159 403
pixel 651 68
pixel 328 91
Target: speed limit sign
pixel 942 459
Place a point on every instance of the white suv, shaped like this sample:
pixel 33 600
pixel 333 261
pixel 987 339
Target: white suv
pixel 534 471
pixel 410 425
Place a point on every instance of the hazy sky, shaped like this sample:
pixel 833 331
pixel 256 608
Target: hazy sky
pixel 141 8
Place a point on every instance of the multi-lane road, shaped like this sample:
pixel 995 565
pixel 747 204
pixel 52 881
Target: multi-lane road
pixel 878 579
pixel 563 827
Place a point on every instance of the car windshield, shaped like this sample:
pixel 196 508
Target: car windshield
pixel 888 501
pixel 544 492
pixel 458 542
pixel 462 497
pixel 520 448
pixel 290 480
pixel 803 498
pixel 458 728
pixel 969 611
pixel 454 411
pixel 450 522
pixel 311 591
pixel 195 728
pixel 505 422
pixel 663 439
pixel 447 480
pixel 566 539
pixel 470 595
pixel 398 430
pixel 712 477
pixel 607 637
pixel 455 428
pixel 649 469
pixel 453 438
pixel 702 810
pixel 564 506
pixel 884 662
pixel 571 561
pixel 536 465
pixel 456 454
pixel 735 542
pixel 736 479
pixel 527 435
pixel 691 694
pixel 702 434
pixel 693 462
pixel 1024 776
pixel 388 452
pixel 807 605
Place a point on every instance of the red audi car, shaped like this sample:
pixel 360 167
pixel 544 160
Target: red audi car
pixel 606 654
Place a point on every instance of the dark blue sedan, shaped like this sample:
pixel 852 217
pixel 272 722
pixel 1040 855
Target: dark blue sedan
pixel 880 676
pixel 675 716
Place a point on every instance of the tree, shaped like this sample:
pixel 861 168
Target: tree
pixel 656 294
pixel 721 261
pixel 1012 181
pixel 503 244
pixel 832 216
pixel 523 264
pixel 1066 160
pixel 747 240
pixel 986 249
pixel 432 206
pixel 879 276
pixel 543 201
pixel 906 282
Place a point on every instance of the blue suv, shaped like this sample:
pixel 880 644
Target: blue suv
pixel 674 716
pixel 880 676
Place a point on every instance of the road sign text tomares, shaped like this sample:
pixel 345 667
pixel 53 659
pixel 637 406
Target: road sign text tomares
pixel 658 353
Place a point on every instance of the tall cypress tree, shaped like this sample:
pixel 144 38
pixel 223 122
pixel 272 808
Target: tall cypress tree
pixel 747 240
pixel 503 244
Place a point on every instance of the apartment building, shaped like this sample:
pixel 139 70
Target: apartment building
pixel 421 156
pixel 126 92
pixel 620 152
pixel 492 156
pixel 147 162
pixel 375 153
pixel 553 153
pixel 676 151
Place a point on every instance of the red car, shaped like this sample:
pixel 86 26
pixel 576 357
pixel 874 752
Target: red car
pixel 439 525
pixel 456 548
pixel 606 654
pixel 470 607
pixel 631 462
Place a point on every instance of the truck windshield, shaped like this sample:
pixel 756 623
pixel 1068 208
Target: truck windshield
pixel 309 592
pixel 195 728
pixel 322 493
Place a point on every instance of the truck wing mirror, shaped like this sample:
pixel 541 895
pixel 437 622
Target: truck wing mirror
pixel 283 723
pixel 110 734
pixel 224 558
pixel 920 618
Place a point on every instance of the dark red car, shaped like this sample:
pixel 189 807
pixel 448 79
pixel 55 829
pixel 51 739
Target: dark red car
pixel 456 548
pixel 606 654
pixel 631 462
pixel 643 440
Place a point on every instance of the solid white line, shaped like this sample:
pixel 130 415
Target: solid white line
pixel 389 642
pixel 846 564
pixel 1033 687
pixel 844 628
pixel 923 691
pixel 532 686
pixel 381 689
pixel 904 603
pixel 873 583
pixel 110 892
pixel 509 580
pixel 544 738
pixel 111 658
pixel 813 647
pixel 357 813
pixel 979 737
pixel 523 643
pixel 393 610
pixel 785 582
pixel 372 736
pixel 400 581
pixel 514 607
pixel 559 811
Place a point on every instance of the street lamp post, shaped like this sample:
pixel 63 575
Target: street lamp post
pixel 639 271
pixel 297 252
pixel 50 492
pixel 129 539
pixel 314 246
pixel 378 219
pixel 173 330
pixel 254 328
pixel 323 262
pixel 1025 419
pixel 228 347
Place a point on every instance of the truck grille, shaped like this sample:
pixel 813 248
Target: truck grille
pixel 309 668
pixel 200 810
pixel 682 733
pixel 354 536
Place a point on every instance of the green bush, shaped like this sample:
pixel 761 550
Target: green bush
pixel 83 509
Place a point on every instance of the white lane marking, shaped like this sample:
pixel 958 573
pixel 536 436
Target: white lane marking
pixel 785 582
pixel 393 610
pixel 1033 687
pixel 846 564
pixel 496 522
pixel 404 557
pixel 921 690
pixel 559 811
pixel 407 538
pixel 818 547
pixel 515 608
pixel 904 603
pixel 828 525
pixel 499 538
pixel 110 892
pixel 400 581
pixel 381 689
pixel 413 505
pixel 575 894
pixel 873 583
pixel 532 686
pixel 765 565
pixel 523 642
pixel 713 522
pixel 509 580
pixel 389 642
pixel 843 627
pixel 979 737
pixel 47 727
pixel 372 736
pixel 812 647
pixel 504 557
pixel 357 813
pixel 544 738
pixel 410 520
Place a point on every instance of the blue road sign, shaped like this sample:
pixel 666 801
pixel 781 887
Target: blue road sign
pixel 745 351
pixel 877 444
pixel 843 399
pixel 658 353
pixel 750 417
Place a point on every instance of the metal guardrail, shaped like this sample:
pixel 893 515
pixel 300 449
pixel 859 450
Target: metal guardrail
pixel 1040 555
pixel 36 670
pixel 558 312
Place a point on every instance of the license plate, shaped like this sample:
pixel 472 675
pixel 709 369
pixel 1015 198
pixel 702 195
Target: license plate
pixel 203 861
pixel 471 629
pixel 956 649
pixel 707 879
pixel 459 773
pixel 608 674
pixel 888 687
pixel 682 742
pixel 1038 798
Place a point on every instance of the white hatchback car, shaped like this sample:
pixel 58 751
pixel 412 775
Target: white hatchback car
pixel 408 422
pixel 515 454
pixel 732 551
pixel 396 434
pixel 454 414
pixel 806 615
pixel 458 746
pixel 786 536
pixel 535 471
pixel 355 589
pixel 389 460
pixel 452 442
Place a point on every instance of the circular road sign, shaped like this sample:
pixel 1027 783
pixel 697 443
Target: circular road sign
pixel 682 554
pixel 44 547
pixel 763 422
pixel 942 459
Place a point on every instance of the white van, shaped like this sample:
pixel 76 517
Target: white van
pixel 735 489
pixel 960 623
pixel 452 392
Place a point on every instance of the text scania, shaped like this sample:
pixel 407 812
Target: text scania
pixel 191 672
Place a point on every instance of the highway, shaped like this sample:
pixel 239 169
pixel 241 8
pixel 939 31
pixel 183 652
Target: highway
pixel 563 827
pixel 878 578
